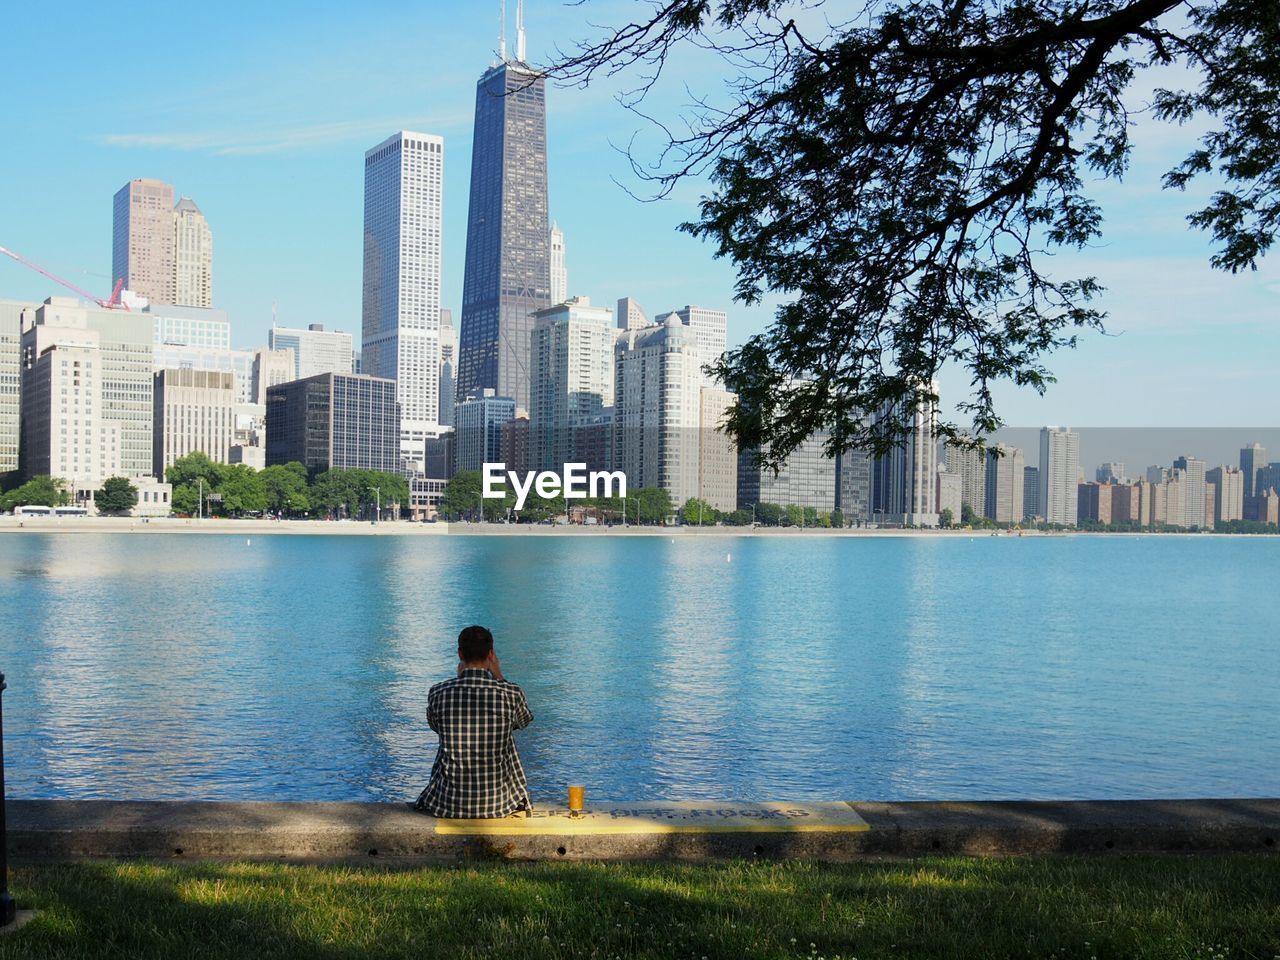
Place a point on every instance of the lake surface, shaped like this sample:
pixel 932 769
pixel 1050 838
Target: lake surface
pixel 172 666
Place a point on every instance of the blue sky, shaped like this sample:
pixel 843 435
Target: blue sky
pixel 262 113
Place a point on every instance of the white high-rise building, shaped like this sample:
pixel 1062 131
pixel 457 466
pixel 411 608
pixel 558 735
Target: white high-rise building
pixel 403 187
pixel 570 378
pixel 970 465
pixel 559 272
pixel 193 256
pixel 1193 470
pixel 315 349
pixel 657 408
pixel 122 341
pixel 65 432
pixel 1059 475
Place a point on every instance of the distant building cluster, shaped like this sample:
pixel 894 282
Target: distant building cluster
pixel 1186 495
pixel 534 377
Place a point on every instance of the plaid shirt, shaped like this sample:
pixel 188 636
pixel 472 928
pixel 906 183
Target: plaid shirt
pixel 477 772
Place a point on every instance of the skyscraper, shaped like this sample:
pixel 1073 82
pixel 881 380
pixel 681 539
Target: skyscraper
pixel 1005 477
pixel 116 407
pixel 1252 459
pixel 853 486
pixel 507 272
pixel 1228 498
pixel 657 408
pixel 1059 473
pixel 1030 492
pixel 1193 469
pixel 193 256
pixel 403 183
pixel 904 486
pixel 970 464
pixel 448 367
pixel 559 272
pixel 572 377
pixel 142 240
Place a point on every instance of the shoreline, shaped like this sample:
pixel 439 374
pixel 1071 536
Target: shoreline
pixel 838 830
pixel 398 528
pixel 401 528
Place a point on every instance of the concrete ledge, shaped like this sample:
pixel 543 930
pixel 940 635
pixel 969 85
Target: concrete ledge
pixel 70 829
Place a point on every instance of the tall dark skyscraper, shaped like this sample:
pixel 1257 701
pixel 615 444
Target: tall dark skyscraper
pixel 507 275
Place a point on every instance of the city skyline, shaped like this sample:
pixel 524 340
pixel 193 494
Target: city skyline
pixel 1176 340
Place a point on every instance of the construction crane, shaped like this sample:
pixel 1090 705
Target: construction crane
pixel 113 303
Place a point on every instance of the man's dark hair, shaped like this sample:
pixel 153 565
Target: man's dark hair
pixel 474 643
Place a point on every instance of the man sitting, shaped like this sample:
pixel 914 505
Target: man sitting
pixel 477 772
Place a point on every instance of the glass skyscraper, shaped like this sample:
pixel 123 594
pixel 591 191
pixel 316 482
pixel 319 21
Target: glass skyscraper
pixel 507 275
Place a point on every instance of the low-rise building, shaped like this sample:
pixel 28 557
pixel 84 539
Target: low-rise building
pixel 334 422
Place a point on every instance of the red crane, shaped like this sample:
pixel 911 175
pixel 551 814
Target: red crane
pixel 111 304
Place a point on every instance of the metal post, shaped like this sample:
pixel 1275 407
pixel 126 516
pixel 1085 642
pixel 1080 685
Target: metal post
pixel 8 909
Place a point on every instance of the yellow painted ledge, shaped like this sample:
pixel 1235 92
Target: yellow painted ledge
pixel 655 818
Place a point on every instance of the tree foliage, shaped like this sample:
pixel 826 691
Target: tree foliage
pixel 38 491
pixel 900 178
pixel 355 493
pixel 696 512
pixel 241 489
pixel 117 495
pixel 286 488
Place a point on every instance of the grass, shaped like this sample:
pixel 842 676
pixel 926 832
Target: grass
pixel 1189 908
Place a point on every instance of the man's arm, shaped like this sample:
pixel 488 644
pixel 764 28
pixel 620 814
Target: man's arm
pixel 522 715
pixel 433 710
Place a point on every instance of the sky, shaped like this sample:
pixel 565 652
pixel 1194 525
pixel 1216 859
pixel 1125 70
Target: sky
pixel 262 113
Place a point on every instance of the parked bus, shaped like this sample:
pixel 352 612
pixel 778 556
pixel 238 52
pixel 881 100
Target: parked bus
pixel 33 510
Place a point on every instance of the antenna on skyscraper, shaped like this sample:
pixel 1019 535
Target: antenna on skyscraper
pixel 502 31
pixel 520 30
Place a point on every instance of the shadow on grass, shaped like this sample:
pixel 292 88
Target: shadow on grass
pixel 1061 908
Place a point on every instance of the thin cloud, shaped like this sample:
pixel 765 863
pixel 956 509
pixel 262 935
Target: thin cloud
pixel 267 140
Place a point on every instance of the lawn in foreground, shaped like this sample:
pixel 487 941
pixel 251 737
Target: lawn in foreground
pixel 1206 908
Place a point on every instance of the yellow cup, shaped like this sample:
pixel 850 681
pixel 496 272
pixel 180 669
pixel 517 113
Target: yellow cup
pixel 575 799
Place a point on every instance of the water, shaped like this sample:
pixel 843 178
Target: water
pixel 801 668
